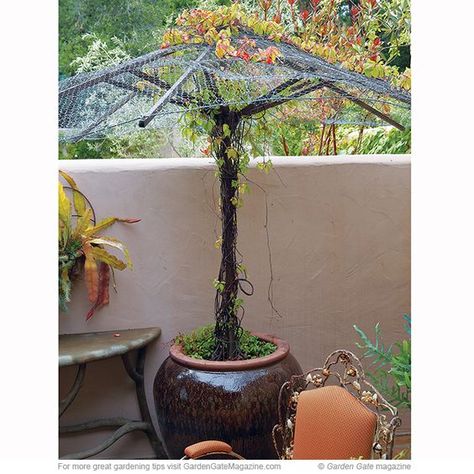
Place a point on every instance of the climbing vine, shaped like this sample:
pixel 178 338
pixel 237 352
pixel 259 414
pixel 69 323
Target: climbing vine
pixel 340 31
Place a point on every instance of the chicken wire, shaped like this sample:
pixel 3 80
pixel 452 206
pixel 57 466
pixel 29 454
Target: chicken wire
pixel 149 91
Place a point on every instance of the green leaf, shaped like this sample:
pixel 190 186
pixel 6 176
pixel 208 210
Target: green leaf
pixel 232 153
pixel 391 372
pixel 226 130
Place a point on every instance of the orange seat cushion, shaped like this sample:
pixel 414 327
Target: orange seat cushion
pixel 333 424
pixel 206 447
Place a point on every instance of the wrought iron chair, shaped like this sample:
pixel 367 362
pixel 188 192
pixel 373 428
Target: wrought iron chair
pixel 320 420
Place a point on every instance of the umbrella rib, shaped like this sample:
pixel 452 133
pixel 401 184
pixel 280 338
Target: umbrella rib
pixel 258 106
pixel 122 68
pixel 355 77
pixel 152 113
pixel 366 106
pixel 257 103
pixel 353 99
pixel 182 99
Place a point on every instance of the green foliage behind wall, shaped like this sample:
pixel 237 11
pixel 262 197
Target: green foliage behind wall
pixel 137 23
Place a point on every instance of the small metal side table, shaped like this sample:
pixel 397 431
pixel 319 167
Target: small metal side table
pixel 80 349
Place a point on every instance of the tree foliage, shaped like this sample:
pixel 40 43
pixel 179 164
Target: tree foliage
pixel 364 36
pixel 100 54
pixel 140 144
pixel 392 19
pixel 369 36
pixel 355 42
pixel 138 24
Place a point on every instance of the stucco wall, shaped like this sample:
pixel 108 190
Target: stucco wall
pixel 339 234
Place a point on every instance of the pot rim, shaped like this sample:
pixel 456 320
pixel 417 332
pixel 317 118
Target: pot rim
pixel 282 350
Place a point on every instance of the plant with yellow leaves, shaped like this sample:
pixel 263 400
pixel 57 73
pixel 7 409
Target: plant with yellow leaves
pixel 82 249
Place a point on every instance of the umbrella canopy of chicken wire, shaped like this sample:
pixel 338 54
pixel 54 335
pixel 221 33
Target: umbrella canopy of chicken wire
pixel 150 90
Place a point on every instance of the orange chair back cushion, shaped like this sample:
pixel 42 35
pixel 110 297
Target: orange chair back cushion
pixel 333 424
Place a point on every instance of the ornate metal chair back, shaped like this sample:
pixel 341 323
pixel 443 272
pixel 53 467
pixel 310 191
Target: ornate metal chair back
pixel 333 412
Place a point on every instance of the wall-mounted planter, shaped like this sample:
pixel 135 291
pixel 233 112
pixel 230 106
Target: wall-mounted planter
pixel 234 401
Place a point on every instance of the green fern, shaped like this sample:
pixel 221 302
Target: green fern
pixel 390 369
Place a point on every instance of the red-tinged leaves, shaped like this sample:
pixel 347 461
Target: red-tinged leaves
pixel 316 29
pixel 267 55
pixel 104 280
pixel 242 54
pixel 377 41
pixel 129 220
pixel 90 313
pixel 355 11
pixel 266 4
pixel 374 57
pixel 103 290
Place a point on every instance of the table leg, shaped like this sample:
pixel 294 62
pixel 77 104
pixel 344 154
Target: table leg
pixel 136 373
pixel 122 425
pixel 64 404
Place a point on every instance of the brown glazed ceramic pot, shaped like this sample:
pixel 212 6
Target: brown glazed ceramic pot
pixel 234 401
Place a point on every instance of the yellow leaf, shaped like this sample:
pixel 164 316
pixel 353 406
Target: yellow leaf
pixel 64 207
pixel 220 50
pixel 405 79
pixel 83 222
pixel 79 201
pixel 107 222
pixel 103 224
pixel 113 243
pixel 91 274
pixel 104 256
